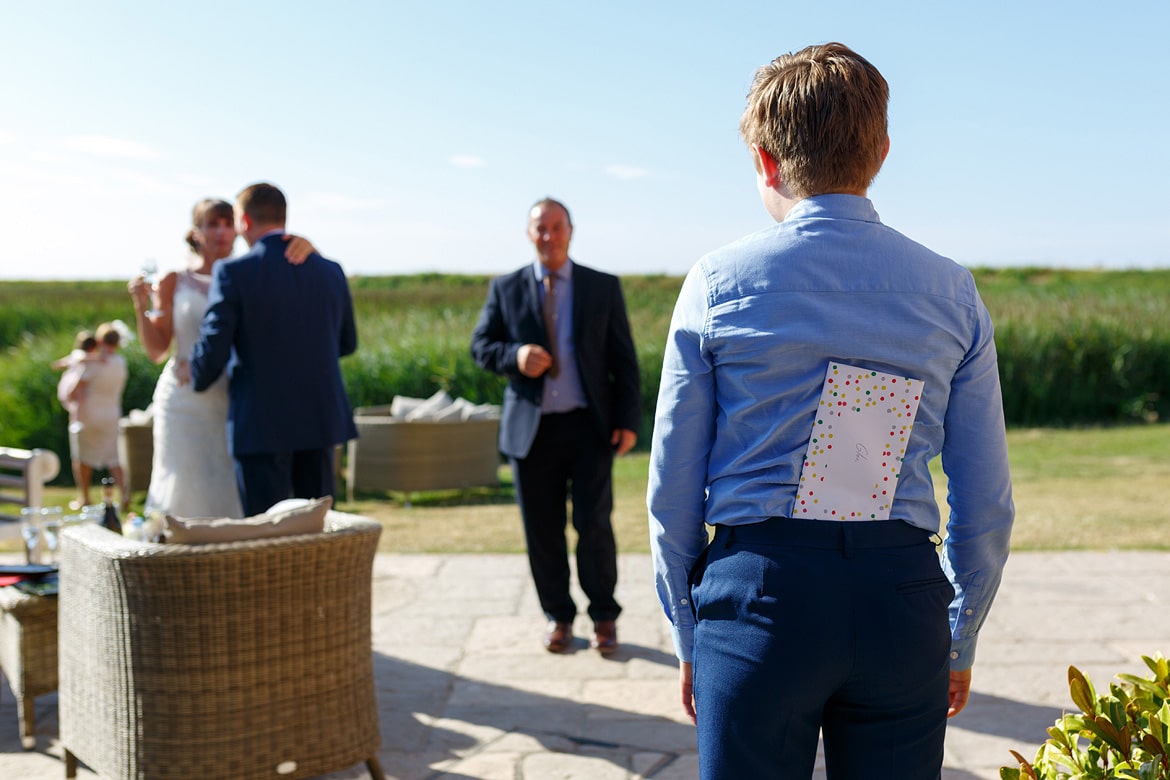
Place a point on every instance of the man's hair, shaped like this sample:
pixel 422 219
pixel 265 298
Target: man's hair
pixel 85 341
pixel 108 334
pixel 263 203
pixel 821 114
pixel 551 202
pixel 212 208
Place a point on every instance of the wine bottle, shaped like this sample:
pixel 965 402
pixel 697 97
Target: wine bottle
pixel 110 514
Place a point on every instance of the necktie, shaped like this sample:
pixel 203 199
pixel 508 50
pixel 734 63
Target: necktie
pixel 549 310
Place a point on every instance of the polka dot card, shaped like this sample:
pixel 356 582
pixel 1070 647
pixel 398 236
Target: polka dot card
pixel 857 445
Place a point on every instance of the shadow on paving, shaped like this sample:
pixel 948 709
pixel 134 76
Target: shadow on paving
pixel 1008 718
pixel 438 716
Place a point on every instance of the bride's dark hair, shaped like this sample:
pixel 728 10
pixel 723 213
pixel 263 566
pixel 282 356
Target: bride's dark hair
pixel 208 207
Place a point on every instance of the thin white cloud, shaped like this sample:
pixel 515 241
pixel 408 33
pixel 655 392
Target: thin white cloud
pixel 468 161
pixel 196 180
pixel 142 182
pixel 106 146
pixel 7 138
pixel 46 172
pixel 338 202
pixel 626 171
pixel 51 159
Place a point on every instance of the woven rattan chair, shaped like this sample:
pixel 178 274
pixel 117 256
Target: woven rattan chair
pixel 233 661
pixel 28 653
pixel 393 454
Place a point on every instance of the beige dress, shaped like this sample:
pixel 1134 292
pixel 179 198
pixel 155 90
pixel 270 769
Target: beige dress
pixel 98 411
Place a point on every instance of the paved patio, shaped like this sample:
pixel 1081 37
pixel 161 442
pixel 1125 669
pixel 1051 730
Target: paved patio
pixel 466 691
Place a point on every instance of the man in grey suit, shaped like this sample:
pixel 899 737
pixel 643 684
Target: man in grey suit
pixel 559 332
pixel 279 330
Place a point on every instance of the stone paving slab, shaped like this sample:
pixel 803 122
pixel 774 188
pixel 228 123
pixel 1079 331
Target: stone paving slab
pixel 466 691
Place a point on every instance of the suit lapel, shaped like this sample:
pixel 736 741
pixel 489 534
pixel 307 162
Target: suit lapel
pixel 580 291
pixel 532 296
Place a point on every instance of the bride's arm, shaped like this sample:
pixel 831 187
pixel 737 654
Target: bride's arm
pixel 155 332
pixel 298 250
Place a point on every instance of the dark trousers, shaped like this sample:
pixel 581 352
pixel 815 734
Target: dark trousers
pixel 568 458
pixel 807 626
pixel 267 478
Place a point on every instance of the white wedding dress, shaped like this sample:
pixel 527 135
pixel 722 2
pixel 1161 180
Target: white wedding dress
pixel 192 474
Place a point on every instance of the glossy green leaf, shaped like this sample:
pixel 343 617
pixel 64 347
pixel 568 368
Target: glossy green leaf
pixel 1081 691
pixel 1143 685
pixel 1153 745
pixel 1158 665
pixel 1112 708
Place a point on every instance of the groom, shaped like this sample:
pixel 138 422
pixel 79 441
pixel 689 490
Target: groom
pixel 279 329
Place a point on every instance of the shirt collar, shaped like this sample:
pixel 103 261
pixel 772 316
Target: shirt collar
pixel 564 274
pixel 834 205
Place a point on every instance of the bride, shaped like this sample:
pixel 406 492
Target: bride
pixel 192 473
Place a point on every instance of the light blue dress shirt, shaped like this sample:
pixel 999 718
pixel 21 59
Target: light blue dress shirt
pixel 754 328
pixel 564 393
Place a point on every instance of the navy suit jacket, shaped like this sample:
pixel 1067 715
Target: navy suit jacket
pixel 606 360
pixel 279 330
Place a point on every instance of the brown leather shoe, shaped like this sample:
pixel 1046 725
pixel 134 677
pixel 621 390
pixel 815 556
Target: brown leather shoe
pixel 605 639
pixel 558 637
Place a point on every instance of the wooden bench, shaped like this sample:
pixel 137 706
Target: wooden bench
pixel 23 474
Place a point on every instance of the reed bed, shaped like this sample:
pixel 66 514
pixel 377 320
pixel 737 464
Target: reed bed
pixel 1075 347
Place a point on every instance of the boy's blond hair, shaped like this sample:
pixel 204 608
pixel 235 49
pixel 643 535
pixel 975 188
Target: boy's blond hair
pixel 821 114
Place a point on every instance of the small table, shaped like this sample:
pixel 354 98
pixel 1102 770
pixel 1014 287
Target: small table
pixel 28 652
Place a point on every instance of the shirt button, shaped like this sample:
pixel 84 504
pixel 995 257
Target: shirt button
pixel 968 612
pixel 954 654
pixel 682 601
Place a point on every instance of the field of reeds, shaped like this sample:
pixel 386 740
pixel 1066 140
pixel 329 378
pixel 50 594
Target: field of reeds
pixel 1075 347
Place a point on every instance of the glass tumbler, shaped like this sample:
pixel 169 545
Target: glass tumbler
pixel 40 527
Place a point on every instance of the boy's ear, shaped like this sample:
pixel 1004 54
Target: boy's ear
pixel 766 166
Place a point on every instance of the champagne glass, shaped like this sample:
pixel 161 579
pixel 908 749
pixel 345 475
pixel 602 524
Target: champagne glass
pixel 30 530
pixel 149 273
pixel 50 530
pixel 39 527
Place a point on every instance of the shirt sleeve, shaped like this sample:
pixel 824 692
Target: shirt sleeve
pixel 684 430
pixel 975 460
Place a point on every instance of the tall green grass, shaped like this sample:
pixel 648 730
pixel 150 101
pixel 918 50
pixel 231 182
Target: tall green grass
pixel 1075 347
pixel 1081 347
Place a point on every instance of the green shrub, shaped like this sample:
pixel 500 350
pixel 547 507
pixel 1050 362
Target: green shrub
pixel 1124 734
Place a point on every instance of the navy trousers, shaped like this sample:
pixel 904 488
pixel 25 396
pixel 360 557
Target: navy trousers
pixel 807 627
pixel 568 458
pixel 266 479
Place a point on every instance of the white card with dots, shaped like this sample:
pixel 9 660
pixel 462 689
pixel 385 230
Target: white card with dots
pixel 857 444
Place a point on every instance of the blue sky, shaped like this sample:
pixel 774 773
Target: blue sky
pixel 412 136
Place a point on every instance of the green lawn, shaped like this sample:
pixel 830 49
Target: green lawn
pixel 1080 489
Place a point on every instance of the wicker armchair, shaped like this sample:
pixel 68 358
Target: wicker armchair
pixel 28 653
pixel 234 661
pixel 393 454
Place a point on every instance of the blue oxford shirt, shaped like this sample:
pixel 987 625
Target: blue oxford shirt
pixel 754 328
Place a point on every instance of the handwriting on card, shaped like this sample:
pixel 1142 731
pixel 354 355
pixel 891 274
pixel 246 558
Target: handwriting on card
pixel 875 411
